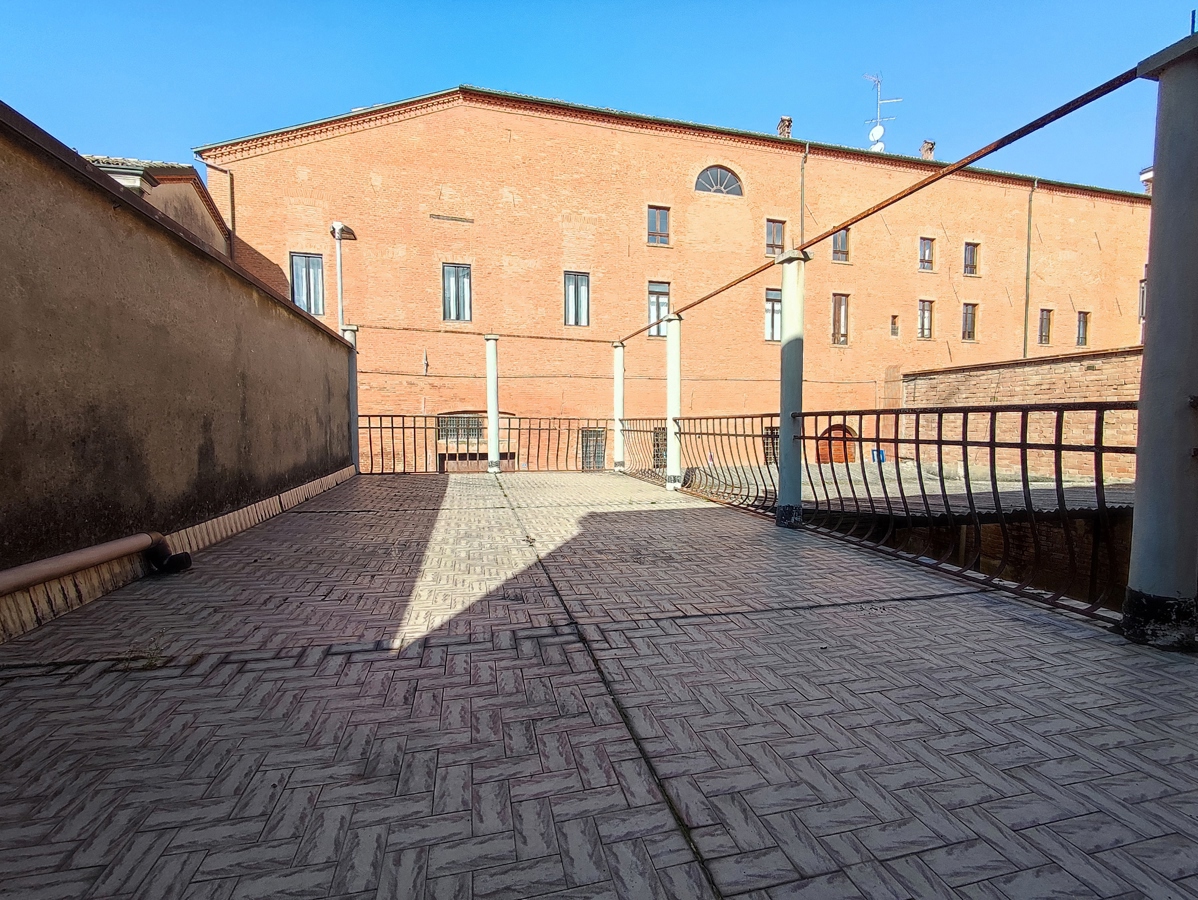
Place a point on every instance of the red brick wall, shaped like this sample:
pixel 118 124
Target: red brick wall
pixel 548 191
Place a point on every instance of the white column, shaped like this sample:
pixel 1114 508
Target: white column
pixel 352 337
pixel 790 450
pixel 492 402
pixel 673 401
pixel 340 289
pixel 1160 605
pixel 618 405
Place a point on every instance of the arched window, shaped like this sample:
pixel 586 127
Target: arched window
pixel 718 180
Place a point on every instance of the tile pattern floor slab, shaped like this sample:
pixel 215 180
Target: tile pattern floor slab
pixel 583 686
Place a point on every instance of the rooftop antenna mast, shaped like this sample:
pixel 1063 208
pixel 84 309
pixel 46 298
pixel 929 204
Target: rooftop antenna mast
pixel 875 133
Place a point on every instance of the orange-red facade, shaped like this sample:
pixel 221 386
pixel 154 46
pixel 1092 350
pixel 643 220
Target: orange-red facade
pixel 524 191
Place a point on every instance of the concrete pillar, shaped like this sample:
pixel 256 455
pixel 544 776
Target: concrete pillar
pixel 492 402
pixel 673 401
pixel 1159 608
pixel 790 450
pixel 618 405
pixel 351 335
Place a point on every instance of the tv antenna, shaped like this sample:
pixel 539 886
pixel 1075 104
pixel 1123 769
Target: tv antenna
pixel 875 133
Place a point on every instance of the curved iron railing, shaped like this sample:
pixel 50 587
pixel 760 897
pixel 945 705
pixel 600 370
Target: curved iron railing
pixel 1034 498
pixel 731 459
pixel 645 449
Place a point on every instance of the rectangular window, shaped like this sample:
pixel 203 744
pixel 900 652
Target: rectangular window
pixel 455 293
pixel 578 298
pixel 1143 299
pixel 774 232
pixel 1045 336
pixel 969 321
pixel 894 326
pixel 773 314
pixel 925 319
pixel 927 254
pixel 460 429
pixel 840 246
pixel 1083 329
pixel 840 319
pixel 307 282
pixel 659 306
pixel 659 225
pixel 971 258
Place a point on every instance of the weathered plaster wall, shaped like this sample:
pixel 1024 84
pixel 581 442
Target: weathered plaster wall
pixel 145 385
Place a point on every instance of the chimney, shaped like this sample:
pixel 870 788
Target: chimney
pixel 927 150
pixel 784 126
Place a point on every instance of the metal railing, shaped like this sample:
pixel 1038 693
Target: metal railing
pixel 458 443
pixel 1034 498
pixel 731 459
pixel 645 449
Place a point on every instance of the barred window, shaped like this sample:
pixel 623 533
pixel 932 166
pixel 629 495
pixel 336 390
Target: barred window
pixel 460 429
pixel 455 293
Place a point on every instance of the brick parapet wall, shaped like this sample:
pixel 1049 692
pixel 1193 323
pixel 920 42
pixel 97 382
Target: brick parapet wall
pixel 1093 376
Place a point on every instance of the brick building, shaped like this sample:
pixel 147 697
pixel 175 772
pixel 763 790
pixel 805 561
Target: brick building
pixel 562 228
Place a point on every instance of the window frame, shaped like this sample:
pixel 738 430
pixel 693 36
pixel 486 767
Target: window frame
pixel 976 265
pixel 1044 332
pixel 655 299
pixel 841 254
pixel 840 305
pixel 927 307
pixel 658 238
pixel 456 303
pixel 773 315
pixel 771 248
pixel 969 321
pixel 581 307
pixel 1083 328
pixel 930 259
pixel 308 307
pixel 724 185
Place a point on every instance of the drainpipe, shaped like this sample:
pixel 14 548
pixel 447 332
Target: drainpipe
pixel 673 401
pixel 790 449
pixel 1027 275
pixel 232 205
pixel 153 546
pixel 493 459
pixel 803 192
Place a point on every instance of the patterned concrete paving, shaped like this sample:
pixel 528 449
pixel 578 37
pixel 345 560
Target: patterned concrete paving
pixel 581 686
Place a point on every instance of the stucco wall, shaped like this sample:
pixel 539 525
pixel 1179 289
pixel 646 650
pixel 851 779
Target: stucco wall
pixel 181 201
pixel 146 385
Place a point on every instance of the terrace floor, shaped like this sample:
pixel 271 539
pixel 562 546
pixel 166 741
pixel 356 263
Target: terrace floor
pixel 582 686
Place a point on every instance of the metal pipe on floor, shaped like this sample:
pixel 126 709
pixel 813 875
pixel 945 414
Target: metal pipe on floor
pixel 157 550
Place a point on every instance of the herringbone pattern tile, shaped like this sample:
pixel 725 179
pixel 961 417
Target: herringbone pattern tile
pixel 582 686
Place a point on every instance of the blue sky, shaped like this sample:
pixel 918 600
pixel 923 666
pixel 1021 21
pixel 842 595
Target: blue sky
pixel 154 80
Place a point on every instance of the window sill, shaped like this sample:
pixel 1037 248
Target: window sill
pixel 927 271
pixel 659 246
pixel 974 275
pixel 457 321
pixel 842 262
pixel 836 346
